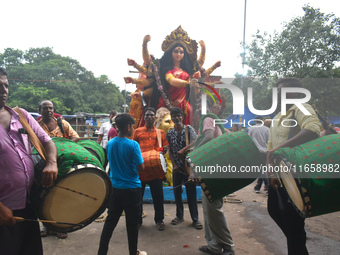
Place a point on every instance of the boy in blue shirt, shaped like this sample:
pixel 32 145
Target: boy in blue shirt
pixel 125 159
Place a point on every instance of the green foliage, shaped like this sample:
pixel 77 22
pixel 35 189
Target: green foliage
pixel 307 48
pixel 39 74
pixel 128 99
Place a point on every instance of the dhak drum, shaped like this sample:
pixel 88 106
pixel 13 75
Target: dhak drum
pixel 94 148
pixel 155 166
pixel 313 180
pixel 228 151
pixel 80 193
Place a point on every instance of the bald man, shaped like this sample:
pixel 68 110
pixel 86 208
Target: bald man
pixel 49 123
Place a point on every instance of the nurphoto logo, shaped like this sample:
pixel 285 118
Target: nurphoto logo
pixel 238 103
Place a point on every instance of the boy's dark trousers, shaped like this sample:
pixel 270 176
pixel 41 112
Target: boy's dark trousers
pixel 128 200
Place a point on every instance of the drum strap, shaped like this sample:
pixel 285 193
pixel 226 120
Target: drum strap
pixel 186 165
pixel 159 139
pixel 60 125
pixel 31 135
pixel 325 124
pixel 291 130
pixel 186 136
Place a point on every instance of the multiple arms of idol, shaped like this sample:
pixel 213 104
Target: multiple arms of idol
pixel 174 81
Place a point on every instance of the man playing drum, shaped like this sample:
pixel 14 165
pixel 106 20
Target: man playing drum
pixel 217 233
pixel 49 123
pixel 54 129
pixel 178 146
pixel 147 138
pixel 16 178
pixel 308 128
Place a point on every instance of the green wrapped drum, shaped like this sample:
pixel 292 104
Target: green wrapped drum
pixel 230 152
pixel 94 148
pixel 80 193
pixel 71 153
pixel 312 181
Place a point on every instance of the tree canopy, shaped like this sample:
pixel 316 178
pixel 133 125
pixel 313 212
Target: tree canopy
pixel 40 74
pixel 308 48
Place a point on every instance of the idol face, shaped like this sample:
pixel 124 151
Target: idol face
pixel 166 123
pixel 178 53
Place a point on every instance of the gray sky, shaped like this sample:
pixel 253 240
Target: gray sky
pixel 102 34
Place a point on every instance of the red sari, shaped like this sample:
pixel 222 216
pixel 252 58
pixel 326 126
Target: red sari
pixel 178 96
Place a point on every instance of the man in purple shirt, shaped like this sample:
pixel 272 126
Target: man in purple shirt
pixel 16 178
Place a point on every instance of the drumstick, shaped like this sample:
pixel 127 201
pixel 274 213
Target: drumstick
pixel 47 221
pixel 179 185
pixel 72 190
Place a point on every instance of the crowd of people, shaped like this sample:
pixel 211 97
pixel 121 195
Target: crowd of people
pixel 131 150
pixel 183 137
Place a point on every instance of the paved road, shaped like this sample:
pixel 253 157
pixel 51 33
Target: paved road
pixel 252 229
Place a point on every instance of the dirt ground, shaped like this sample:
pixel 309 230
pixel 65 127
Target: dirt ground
pixel 253 232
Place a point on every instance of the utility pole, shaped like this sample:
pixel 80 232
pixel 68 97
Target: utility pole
pixel 244 43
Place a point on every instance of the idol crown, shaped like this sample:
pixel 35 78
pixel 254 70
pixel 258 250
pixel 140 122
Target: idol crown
pixel 179 36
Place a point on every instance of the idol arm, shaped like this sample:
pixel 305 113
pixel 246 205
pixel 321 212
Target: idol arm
pixel 201 58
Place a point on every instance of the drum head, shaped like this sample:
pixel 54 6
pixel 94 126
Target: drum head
pixel 163 162
pixel 79 198
pixel 292 188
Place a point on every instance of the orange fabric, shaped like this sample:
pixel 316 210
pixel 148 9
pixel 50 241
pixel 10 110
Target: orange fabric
pixel 153 169
pixel 149 147
pixel 148 141
pixel 70 132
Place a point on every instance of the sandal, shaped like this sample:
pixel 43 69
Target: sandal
pixel 59 235
pixel 143 214
pixel 205 249
pixel 176 221
pixel 229 251
pixel 102 217
pixel 160 226
pixel 197 225
pixel 44 232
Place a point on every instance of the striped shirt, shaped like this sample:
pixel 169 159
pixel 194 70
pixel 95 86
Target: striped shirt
pixel 148 140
